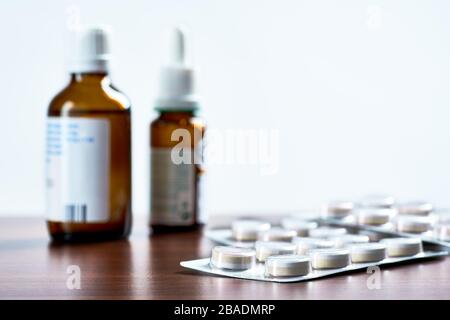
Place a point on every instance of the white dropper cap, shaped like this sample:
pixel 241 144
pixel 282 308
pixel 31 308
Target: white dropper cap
pixel 176 82
pixel 91 50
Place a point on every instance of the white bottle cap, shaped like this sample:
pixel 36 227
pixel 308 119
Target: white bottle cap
pixel 248 230
pixel 301 226
pixel 401 247
pixel 176 82
pixel 368 252
pixel 265 249
pixel 91 50
pixel 330 258
pixel 288 266
pixel 232 258
pixel 277 234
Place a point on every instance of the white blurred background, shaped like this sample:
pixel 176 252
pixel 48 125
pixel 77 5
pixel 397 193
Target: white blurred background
pixel 359 91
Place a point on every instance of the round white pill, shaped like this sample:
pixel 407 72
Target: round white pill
pixel 305 244
pixel 348 239
pixel 414 224
pixel 277 234
pixel 367 252
pixel 232 258
pixel 415 208
pixel 300 226
pixel 329 258
pixel 288 266
pixel 248 230
pixel 327 232
pixel 265 249
pixel 374 216
pixel 402 247
pixel 337 209
pixel 377 201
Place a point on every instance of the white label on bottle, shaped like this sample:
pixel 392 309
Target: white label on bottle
pixel 172 190
pixel 78 169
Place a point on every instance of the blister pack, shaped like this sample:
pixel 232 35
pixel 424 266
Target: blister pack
pixel 297 250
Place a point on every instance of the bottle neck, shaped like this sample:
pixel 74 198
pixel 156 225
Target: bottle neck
pixel 176 115
pixel 100 78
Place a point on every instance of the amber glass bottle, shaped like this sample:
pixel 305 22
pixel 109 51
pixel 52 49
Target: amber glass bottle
pixel 89 150
pixel 176 142
pixel 176 187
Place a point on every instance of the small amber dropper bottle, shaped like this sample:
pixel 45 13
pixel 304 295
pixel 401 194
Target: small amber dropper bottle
pixel 89 149
pixel 176 139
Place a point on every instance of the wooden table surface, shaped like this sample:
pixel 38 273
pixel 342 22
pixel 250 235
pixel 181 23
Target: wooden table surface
pixel 148 268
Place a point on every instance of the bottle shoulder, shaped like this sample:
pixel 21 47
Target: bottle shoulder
pixel 180 119
pixel 76 98
pixel 162 129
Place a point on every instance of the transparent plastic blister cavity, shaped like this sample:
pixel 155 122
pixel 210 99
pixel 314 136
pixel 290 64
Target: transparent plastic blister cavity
pixel 278 254
pixel 258 271
pixel 432 229
pixel 389 217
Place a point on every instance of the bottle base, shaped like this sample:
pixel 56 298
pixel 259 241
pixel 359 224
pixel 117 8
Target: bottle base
pixel 69 232
pixel 158 229
pixel 83 237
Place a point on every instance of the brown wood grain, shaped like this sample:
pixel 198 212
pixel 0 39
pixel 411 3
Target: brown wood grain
pixel 148 268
